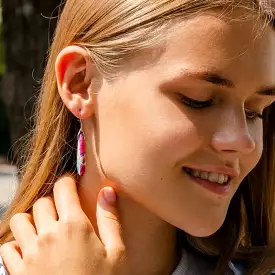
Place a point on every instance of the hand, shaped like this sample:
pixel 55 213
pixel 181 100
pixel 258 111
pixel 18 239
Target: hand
pixel 60 239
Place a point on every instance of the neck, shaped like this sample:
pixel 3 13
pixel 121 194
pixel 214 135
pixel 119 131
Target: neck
pixel 150 242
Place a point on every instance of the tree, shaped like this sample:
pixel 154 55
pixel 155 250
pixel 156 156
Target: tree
pixel 27 27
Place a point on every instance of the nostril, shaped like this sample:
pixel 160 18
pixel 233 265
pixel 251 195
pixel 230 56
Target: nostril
pixel 237 142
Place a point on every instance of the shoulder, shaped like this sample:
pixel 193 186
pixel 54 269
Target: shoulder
pixel 3 271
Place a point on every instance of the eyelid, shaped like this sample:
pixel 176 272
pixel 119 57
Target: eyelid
pixel 195 100
pixel 197 104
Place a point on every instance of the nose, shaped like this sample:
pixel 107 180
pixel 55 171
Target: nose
pixel 232 134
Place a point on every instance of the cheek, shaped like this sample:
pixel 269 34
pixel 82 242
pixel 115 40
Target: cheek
pixel 140 146
pixel 248 162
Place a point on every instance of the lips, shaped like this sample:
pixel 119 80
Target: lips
pixel 222 190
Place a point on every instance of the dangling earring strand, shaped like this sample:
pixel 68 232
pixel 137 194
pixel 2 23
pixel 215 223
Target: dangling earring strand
pixel 81 164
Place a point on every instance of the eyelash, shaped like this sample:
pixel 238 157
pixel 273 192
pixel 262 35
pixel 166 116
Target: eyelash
pixel 255 115
pixel 205 104
pixel 195 103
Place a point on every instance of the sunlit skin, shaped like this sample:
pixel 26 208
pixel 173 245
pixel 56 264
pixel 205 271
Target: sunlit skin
pixel 146 134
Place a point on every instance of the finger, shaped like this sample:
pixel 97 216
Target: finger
pixel 11 255
pixel 109 226
pixel 44 215
pixel 23 230
pixel 67 200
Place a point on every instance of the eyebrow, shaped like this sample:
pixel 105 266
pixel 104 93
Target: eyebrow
pixel 218 79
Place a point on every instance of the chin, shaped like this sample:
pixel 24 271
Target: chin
pixel 203 226
pixel 203 231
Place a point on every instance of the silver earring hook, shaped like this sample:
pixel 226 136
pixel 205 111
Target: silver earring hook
pixel 81 125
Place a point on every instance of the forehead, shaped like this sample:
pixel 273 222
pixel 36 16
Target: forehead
pixel 237 46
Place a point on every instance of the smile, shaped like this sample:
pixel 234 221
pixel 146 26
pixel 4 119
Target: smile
pixel 213 177
pixel 215 182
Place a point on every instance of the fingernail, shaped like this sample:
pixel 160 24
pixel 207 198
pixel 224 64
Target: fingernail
pixel 109 195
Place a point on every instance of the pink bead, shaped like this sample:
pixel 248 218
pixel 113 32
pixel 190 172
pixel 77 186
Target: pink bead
pixel 81 143
pixel 80 162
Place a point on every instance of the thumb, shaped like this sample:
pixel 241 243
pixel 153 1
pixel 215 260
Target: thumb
pixel 108 223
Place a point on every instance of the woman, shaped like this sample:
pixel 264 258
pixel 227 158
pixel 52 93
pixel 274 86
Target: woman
pixel 173 100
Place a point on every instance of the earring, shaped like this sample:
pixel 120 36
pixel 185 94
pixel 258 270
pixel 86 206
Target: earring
pixel 80 162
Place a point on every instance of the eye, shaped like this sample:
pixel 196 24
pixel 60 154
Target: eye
pixel 196 104
pixel 253 115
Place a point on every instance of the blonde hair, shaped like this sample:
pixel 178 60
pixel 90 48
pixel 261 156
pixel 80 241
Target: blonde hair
pixel 111 31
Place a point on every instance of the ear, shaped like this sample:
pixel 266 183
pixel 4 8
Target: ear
pixel 74 73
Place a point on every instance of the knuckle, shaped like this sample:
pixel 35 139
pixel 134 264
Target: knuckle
pixel 31 256
pixel 75 226
pixel 62 182
pixel 5 248
pixel 49 198
pixel 121 252
pixel 55 188
pixel 38 202
pixel 118 253
pixel 46 239
pixel 17 218
pixel 58 186
pixel 42 203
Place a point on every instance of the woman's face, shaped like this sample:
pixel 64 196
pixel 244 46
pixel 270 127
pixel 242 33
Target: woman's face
pixel 196 109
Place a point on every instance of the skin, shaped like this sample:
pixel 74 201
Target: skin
pixel 139 134
pixel 145 127
pixel 44 243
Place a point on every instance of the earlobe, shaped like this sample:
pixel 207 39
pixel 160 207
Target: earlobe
pixel 74 73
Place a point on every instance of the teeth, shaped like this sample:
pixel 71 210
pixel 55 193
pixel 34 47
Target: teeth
pixel 213 177
pixel 196 173
pixel 221 178
pixel 204 175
